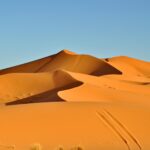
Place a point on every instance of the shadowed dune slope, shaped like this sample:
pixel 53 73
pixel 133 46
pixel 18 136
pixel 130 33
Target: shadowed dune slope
pixel 30 67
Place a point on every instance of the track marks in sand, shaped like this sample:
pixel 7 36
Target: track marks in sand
pixel 124 128
pixel 101 116
pixel 119 128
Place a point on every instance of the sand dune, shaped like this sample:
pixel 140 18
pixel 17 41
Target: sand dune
pixel 99 103
pixel 67 76
pixel 131 65
pixel 38 87
pixel 68 61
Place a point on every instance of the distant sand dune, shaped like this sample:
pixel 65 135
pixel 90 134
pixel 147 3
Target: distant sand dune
pixel 131 65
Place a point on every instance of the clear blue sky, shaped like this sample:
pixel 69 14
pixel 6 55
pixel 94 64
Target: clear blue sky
pixel 31 29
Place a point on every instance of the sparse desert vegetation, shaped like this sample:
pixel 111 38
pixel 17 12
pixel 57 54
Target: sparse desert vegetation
pixel 10 147
pixel 60 148
pixel 38 146
pixel 77 148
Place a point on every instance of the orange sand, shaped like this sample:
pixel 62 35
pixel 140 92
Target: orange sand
pixel 99 103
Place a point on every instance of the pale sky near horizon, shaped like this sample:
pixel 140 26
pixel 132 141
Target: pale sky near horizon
pixel 31 29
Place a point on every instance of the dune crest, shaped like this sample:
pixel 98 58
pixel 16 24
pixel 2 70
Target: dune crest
pixel 35 86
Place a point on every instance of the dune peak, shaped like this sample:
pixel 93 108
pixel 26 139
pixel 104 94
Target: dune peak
pixel 67 52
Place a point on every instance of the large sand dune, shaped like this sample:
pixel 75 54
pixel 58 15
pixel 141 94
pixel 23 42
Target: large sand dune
pixel 68 61
pixel 99 103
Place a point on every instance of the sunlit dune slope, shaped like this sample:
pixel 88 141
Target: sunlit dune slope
pixel 93 126
pixel 107 88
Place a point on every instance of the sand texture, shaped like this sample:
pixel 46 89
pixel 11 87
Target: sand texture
pixel 69 100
